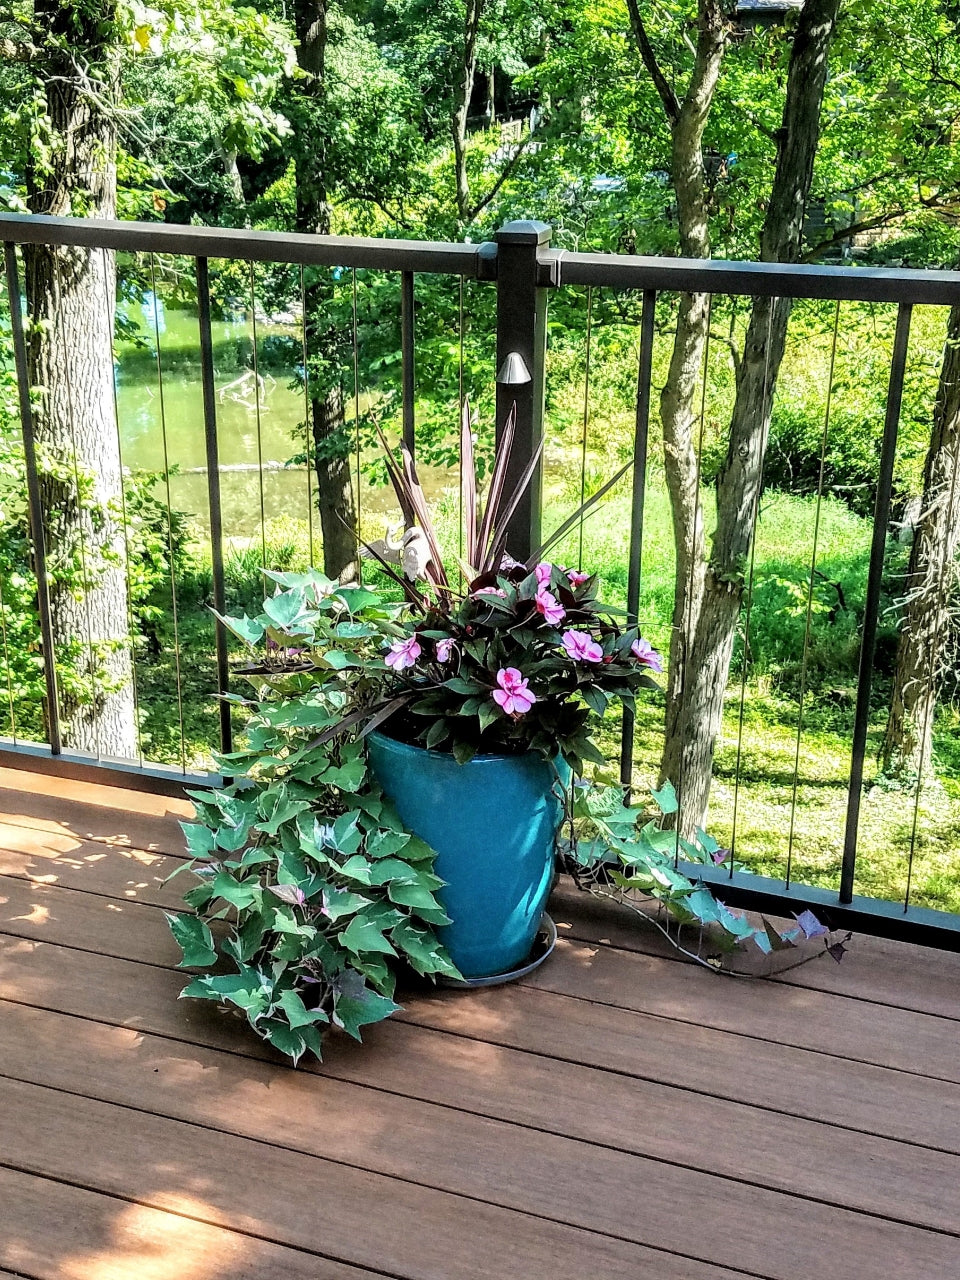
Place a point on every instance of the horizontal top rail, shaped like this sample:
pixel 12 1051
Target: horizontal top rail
pixel 768 279
pixel 248 246
pixel 479 261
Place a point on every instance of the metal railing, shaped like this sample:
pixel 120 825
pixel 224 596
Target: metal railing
pixel 525 272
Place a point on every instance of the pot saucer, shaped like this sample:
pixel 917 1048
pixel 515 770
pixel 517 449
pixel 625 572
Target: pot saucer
pixel 543 946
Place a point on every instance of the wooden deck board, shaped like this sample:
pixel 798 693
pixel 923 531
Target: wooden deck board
pixel 622 1113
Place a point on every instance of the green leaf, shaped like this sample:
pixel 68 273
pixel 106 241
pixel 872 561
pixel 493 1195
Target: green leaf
pixel 355 1005
pixel 338 660
pixel 247 629
pixel 201 841
pixel 666 798
pixel 357 598
pixel 418 899
pixel 194 939
pixel 347 777
pixel 423 950
pixel 463 752
pixel 285 1038
pixel 488 712
pixel 284 921
pixel 285 608
pixel 227 887
pixel 392 869
pixel 276 808
pixel 298 1015
pixel 436 734
pixel 384 843
pixel 347 835
pixel 363 935
pixel 357 868
pixel 338 903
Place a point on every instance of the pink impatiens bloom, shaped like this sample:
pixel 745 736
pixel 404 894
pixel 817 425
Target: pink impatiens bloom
pixel 577 578
pixel 581 646
pixel 513 695
pixel 644 652
pixel 548 606
pixel 445 650
pixel 490 591
pixel 543 572
pixel 403 654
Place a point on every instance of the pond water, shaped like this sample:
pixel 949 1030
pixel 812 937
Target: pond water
pixel 259 428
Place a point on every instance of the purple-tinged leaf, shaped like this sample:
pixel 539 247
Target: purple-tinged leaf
pixel 291 893
pixel 811 926
pixel 468 485
pixel 837 950
pixel 719 856
pixel 497 481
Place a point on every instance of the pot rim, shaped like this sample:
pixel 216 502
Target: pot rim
pixel 489 758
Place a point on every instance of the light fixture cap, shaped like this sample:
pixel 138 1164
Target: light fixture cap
pixel 513 371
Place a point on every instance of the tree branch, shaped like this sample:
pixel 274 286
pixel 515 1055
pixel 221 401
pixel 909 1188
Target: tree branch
pixel 505 173
pixel 671 104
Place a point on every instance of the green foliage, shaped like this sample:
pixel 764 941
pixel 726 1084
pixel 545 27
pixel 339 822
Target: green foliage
pixel 302 856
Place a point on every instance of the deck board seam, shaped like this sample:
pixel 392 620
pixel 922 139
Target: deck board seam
pixel 331 1073
pixel 392 1177
pixel 361 1269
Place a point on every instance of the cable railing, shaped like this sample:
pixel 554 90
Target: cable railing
pixel 229 323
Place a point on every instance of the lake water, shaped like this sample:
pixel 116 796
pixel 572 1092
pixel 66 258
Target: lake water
pixel 161 419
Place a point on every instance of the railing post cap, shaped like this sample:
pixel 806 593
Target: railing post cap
pixel 524 231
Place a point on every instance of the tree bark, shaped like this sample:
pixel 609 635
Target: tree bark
pixel 71 299
pixel 688 120
pixel 693 730
pixel 908 742
pixel 466 75
pixel 331 445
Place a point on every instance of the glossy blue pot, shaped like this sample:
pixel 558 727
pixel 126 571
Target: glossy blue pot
pixel 493 823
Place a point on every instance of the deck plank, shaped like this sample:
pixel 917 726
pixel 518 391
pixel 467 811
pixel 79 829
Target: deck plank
pixel 351 1215
pixel 763 1126
pixel 876 970
pixel 53 1231
pixel 478 1121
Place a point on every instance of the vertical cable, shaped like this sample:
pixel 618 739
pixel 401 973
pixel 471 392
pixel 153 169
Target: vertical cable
pixel 635 554
pixel 693 549
pixel 131 629
pixel 586 424
pixel 256 386
pixel 765 397
pixel 810 585
pixel 68 383
pixel 356 418
pixel 933 649
pixel 6 662
pixel 171 562
pixel 213 492
pixel 461 326
pixel 34 503
pixel 408 359
pixel 308 437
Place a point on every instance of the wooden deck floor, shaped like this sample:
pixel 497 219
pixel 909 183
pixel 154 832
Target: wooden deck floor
pixel 622 1114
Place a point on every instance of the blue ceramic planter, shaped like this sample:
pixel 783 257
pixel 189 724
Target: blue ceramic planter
pixel 492 822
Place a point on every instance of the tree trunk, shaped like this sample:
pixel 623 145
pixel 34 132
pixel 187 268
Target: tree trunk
pixel 331 445
pixel 688 120
pixel 693 727
pixel 461 105
pixel 908 742
pixel 71 299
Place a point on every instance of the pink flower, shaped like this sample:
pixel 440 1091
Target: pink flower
pixel 403 654
pixel 644 652
pixel 543 572
pixel 445 650
pixel 577 578
pixel 581 646
pixel 513 694
pixel 490 591
pixel 548 606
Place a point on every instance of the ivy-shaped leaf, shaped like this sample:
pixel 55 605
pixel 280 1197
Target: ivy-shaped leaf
pixel 194 939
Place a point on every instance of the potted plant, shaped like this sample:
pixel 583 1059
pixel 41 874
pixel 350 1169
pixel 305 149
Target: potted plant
pixel 406 769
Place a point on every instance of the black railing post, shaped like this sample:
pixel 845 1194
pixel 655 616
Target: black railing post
pixel 871 611
pixel 213 490
pixel 34 503
pixel 521 332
